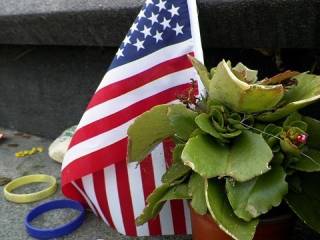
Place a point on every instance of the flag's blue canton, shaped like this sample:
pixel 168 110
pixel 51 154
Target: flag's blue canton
pixel 159 24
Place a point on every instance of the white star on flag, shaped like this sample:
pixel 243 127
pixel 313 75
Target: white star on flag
pixel 134 27
pixel 153 18
pixel 174 11
pixel 158 36
pixel 161 5
pixel 148 2
pixel 166 23
pixel 178 29
pixel 146 31
pixel 120 53
pixel 126 40
pixel 141 14
pixel 139 44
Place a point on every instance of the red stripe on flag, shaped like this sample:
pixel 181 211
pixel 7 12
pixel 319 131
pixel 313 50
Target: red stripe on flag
pixel 147 176
pixel 71 192
pixel 177 208
pixel 95 161
pixel 125 199
pixel 79 183
pixel 100 190
pixel 107 123
pixel 126 85
pixel 179 222
pixel 168 147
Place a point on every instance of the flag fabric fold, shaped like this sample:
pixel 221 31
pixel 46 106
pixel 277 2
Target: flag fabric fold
pixel 151 67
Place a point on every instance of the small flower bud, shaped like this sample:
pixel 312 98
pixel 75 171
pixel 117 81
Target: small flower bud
pixel 301 139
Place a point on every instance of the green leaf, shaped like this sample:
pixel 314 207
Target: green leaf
pixel 202 71
pixel 245 74
pixel 158 198
pixel 197 191
pixel 231 134
pixel 306 203
pixel 197 132
pixel 204 123
pixel 177 151
pixel 255 197
pixel 288 147
pixel 278 158
pixel 271 134
pixel 226 88
pixel 295 116
pixel 306 92
pixel 222 213
pixel 300 124
pixel 147 131
pixel 247 157
pixel 175 171
pixel 158 193
pixel 308 162
pixel 182 120
pixel 272 129
pixel 313 132
pixel 295 120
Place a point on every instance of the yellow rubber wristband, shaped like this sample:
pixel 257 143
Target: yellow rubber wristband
pixel 30 197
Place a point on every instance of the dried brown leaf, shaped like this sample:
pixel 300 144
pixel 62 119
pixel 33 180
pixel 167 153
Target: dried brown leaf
pixel 279 78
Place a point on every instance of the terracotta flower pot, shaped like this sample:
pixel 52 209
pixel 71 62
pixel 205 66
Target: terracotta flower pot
pixel 273 228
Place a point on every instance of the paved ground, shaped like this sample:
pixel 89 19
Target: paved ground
pixel 12 215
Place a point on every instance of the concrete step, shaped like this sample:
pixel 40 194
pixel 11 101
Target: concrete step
pixel 232 23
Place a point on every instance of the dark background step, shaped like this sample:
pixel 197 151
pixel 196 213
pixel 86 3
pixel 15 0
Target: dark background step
pixel 45 89
pixel 224 23
pixel 54 53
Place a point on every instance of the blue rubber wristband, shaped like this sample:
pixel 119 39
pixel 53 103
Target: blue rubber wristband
pixel 42 233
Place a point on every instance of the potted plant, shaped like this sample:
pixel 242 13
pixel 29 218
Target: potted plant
pixel 240 150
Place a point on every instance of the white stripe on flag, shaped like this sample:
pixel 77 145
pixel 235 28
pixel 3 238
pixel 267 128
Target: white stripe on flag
pixel 89 189
pixel 147 62
pixel 119 103
pixel 195 30
pixel 137 195
pixel 159 168
pixel 196 38
pixel 113 198
pixel 85 197
pixel 187 216
pixel 120 132
pixel 96 143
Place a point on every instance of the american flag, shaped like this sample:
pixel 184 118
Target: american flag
pixel 151 67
